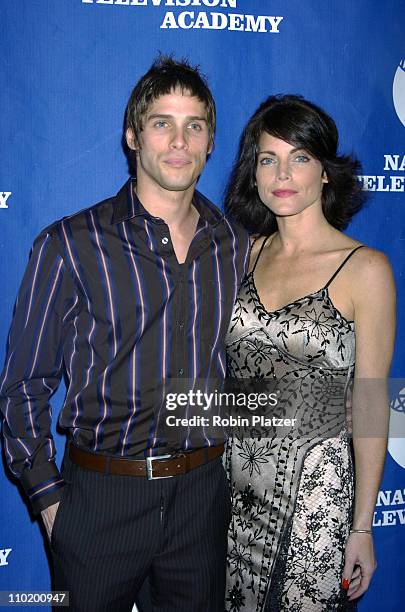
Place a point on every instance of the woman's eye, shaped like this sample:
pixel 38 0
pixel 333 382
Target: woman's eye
pixel 267 161
pixel 302 158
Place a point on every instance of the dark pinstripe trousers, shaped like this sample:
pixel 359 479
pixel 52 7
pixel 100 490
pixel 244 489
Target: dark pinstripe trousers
pixel 111 532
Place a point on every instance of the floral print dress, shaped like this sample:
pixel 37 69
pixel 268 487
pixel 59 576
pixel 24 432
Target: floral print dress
pixel 292 492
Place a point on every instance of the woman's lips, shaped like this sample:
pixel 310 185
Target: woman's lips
pixel 283 193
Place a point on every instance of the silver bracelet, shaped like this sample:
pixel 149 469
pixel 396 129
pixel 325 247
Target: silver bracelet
pixel 361 531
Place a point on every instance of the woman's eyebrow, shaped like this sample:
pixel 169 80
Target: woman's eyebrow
pixel 274 153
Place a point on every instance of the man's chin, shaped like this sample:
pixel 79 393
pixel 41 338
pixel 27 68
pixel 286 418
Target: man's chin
pixel 178 186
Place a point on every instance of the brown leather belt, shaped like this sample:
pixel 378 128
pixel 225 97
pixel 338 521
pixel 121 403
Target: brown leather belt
pixel 161 466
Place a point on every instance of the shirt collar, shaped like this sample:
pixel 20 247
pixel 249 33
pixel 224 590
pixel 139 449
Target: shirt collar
pixel 128 206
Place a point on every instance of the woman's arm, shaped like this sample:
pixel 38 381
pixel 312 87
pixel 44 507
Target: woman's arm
pixel 373 296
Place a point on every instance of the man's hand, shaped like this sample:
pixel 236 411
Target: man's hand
pixel 48 517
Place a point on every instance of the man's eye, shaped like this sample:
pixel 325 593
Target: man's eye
pixel 196 127
pixel 267 161
pixel 160 124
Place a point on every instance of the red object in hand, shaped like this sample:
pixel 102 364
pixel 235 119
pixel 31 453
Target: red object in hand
pixel 345 584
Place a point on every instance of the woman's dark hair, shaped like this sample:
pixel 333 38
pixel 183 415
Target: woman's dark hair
pixel 302 124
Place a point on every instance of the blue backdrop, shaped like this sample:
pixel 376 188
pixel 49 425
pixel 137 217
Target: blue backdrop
pixel 68 67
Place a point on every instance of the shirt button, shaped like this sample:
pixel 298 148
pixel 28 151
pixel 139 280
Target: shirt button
pixel 181 325
pixel 181 372
pixel 165 240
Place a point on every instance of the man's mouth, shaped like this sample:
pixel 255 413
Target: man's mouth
pixel 177 162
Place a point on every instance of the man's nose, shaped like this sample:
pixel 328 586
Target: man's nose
pixel 179 140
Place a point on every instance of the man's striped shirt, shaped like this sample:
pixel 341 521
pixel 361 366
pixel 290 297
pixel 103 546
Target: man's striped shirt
pixel 105 303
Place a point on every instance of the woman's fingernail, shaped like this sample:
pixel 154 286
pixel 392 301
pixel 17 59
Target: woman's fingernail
pixel 345 584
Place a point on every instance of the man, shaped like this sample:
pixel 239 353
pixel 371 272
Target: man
pixel 121 298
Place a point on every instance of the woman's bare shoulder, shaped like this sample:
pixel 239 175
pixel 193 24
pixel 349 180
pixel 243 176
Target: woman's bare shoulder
pixel 256 243
pixel 371 272
pixel 366 259
pixel 372 260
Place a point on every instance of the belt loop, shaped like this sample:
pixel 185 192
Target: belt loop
pixel 107 464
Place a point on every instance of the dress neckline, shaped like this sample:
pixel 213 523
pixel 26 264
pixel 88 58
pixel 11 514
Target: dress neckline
pixel 271 313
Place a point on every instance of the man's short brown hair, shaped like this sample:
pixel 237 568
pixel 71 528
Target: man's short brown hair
pixel 164 76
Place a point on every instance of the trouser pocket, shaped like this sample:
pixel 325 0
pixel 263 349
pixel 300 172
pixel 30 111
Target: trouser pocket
pixel 59 515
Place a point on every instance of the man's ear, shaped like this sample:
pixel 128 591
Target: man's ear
pixel 131 140
pixel 211 147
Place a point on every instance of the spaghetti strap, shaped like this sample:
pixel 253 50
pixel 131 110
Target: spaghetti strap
pixel 343 264
pixel 259 253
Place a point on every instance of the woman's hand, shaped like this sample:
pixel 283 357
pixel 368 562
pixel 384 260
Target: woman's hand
pixel 360 564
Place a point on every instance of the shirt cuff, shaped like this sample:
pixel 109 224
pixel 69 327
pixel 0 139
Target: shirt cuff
pixel 43 486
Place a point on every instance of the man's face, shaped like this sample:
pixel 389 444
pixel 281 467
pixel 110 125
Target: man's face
pixel 174 143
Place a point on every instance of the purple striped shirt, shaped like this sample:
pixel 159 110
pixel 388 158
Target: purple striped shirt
pixel 105 303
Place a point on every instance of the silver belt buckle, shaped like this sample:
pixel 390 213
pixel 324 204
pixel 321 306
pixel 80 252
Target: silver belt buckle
pixel 149 466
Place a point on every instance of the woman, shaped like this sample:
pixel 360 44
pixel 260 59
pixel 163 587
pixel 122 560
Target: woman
pixel 297 540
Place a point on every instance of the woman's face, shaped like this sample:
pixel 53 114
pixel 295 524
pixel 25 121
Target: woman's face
pixel 289 180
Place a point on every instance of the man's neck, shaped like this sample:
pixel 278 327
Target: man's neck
pixel 174 207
